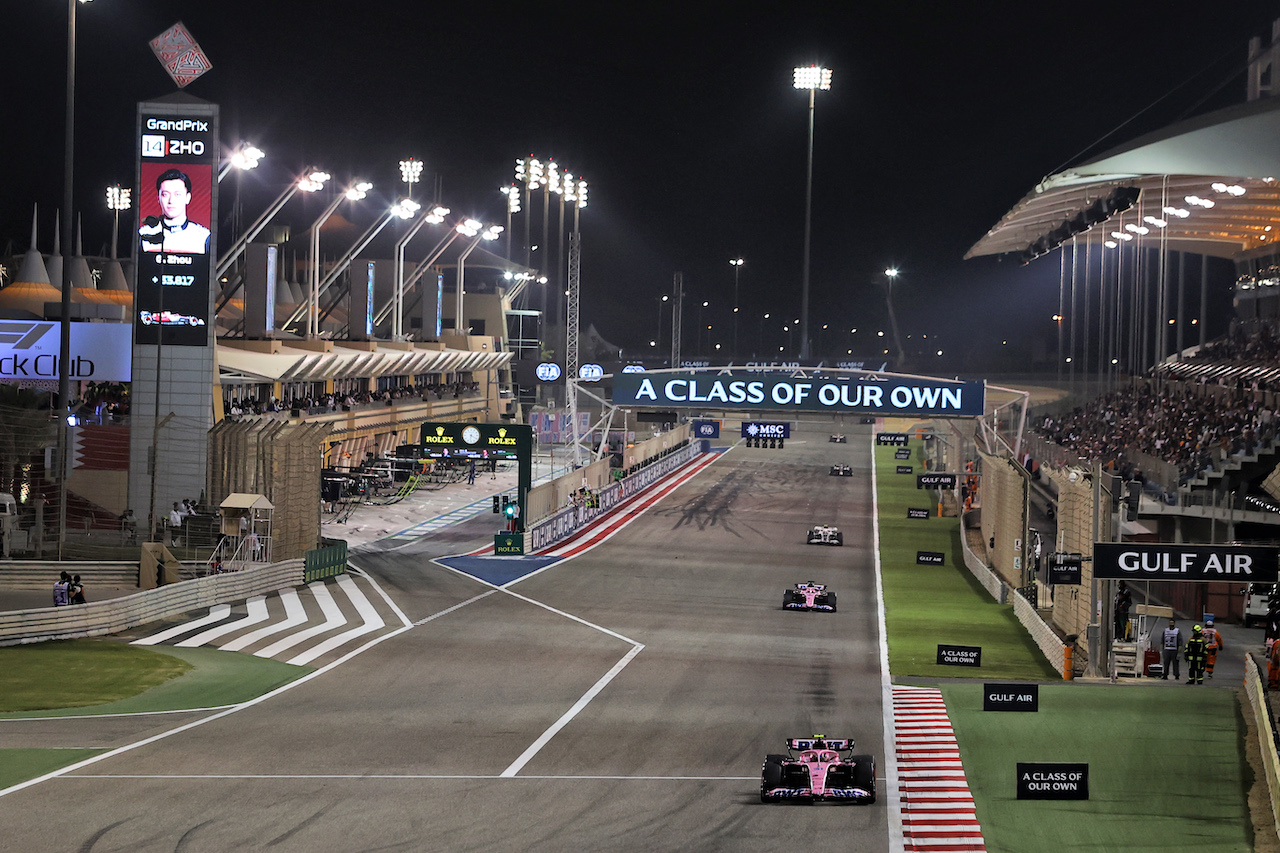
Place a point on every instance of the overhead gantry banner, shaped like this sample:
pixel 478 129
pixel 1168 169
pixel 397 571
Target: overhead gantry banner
pixel 879 394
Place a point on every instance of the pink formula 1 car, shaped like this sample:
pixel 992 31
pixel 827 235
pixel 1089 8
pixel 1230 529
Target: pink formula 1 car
pixel 818 772
pixel 809 596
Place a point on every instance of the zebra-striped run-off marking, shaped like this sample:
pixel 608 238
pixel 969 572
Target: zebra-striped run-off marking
pixel 938 815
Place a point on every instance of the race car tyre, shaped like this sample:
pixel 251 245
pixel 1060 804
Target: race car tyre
pixel 839 540
pixel 771 774
pixel 831 599
pixel 864 774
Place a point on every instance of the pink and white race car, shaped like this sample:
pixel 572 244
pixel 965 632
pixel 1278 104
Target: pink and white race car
pixel 818 772
pixel 809 596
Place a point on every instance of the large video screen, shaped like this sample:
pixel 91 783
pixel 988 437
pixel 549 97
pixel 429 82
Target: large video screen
pixel 177 235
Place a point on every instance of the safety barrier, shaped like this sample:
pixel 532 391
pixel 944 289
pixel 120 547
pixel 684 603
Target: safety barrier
pixel 563 524
pixel 121 614
pixel 1045 638
pixel 1266 733
pixel 37 575
pixel 328 561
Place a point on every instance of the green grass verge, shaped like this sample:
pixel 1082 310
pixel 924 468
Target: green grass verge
pixel 19 765
pixel 928 605
pixel 1166 765
pixel 209 678
pixel 113 677
pixel 1165 768
pixel 77 673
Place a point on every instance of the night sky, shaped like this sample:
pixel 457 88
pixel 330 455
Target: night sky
pixel 683 119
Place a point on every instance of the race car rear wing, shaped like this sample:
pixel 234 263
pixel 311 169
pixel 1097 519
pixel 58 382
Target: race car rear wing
pixel 810 585
pixel 820 743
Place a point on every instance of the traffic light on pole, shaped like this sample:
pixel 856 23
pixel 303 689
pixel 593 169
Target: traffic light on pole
pixel 495 504
pixel 510 510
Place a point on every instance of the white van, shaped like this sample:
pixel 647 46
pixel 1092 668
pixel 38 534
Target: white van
pixel 1256 603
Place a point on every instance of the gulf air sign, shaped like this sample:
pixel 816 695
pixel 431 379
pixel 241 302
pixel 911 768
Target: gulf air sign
pixel 1157 562
pixel 890 395
pixel 100 352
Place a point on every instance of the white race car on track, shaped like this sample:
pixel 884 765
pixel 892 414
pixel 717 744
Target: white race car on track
pixel 825 534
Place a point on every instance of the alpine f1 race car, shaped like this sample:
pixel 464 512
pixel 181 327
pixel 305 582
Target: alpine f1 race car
pixel 809 596
pixel 168 318
pixel 839 438
pixel 825 534
pixel 841 470
pixel 818 772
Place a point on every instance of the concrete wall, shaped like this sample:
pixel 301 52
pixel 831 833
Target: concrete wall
pixel 121 614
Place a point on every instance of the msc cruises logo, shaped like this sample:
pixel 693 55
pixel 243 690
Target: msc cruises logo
pixel 22 335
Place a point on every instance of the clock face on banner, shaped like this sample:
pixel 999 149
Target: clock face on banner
pixel 471 435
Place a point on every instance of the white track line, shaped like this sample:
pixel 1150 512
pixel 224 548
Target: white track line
pixel 147 741
pixel 216 614
pixel 354 569
pixel 294 614
pixel 257 612
pixel 333 618
pixel 897 840
pixel 371 622
pixel 420 776
pixel 559 724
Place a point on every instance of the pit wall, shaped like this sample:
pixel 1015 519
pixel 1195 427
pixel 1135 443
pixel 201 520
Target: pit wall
pixel 569 520
pixel 121 614
pixel 1257 707
pixel 553 498
pixel 1042 635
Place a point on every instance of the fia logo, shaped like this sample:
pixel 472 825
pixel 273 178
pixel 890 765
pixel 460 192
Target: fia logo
pixel 152 145
pixel 706 429
pixel 591 372
pixel 548 371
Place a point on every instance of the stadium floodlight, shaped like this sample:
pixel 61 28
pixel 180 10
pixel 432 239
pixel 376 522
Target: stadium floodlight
pixel 118 198
pixel 812 78
pixel 405 208
pixel 313 182
pixel 411 172
pixel 245 157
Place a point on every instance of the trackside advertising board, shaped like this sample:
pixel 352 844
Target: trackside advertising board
pixel 1159 562
pixel 890 395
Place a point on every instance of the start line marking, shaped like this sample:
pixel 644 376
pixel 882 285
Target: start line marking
pixel 416 777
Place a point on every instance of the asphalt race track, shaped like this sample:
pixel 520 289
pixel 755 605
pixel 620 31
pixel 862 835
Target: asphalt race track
pixel 623 699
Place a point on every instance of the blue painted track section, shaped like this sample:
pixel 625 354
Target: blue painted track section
pixel 498 570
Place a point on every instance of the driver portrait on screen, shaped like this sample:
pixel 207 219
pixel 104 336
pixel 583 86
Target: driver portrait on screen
pixel 173 232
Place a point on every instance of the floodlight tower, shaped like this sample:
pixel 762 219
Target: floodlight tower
pixel 813 78
pixel 411 173
pixel 575 192
pixel 118 199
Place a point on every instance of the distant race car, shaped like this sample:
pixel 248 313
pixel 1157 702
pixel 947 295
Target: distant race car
pixel 825 534
pixel 809 596
pixel 839 438
pixel 168 318
pixel 841 470
pixel 818 772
